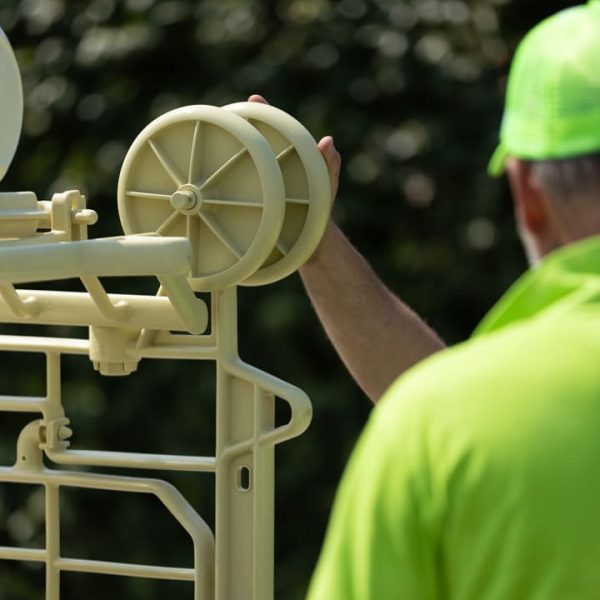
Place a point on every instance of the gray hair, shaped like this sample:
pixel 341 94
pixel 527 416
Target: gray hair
pixel 569 179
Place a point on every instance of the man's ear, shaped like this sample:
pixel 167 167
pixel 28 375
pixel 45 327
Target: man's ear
pixel 528 198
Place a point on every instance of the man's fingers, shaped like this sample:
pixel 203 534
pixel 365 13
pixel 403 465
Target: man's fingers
pixel 257 98
pixel 333 160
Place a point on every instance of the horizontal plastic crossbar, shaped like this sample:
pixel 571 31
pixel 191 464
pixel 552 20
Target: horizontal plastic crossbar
pixel 127 256
pixel 99 566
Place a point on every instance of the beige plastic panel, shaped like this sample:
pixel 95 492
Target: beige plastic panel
pixel 11 104
pixel 206 174
pixel 307 187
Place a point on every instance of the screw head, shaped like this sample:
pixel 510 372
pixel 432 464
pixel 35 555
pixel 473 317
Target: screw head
pixel 183 200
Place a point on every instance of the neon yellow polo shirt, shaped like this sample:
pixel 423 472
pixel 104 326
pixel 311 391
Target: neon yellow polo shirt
pixel 478 474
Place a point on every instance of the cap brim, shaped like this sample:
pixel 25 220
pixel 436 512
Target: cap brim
pixel 498 161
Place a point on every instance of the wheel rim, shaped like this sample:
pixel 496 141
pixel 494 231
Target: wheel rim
pixel 206 174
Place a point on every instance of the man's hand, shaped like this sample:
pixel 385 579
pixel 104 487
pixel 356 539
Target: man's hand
pixel 332 157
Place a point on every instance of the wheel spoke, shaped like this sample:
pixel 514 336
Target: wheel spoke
pixel 223 236
pixel 223 169
pixel 148 195
pixel 169 166
pixel 282 248
pixel 193 234
pixel 284 154
pixel 195 151
pixel 168 222
pixel 303 201
pixel 224 202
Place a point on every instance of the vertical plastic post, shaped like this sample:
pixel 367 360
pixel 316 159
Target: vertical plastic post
pixel 244 479
pixel 52 541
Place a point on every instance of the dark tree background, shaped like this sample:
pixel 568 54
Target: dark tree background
pixel 412 92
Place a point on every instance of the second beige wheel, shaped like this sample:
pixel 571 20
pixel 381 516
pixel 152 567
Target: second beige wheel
pixel 307 187
pixel 205 173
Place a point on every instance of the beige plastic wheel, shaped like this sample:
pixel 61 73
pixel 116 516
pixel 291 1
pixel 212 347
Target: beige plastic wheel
pixel 307 186
pixel 11 104
pixel 205 173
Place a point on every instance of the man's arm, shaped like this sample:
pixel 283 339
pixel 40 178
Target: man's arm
pixel 377 336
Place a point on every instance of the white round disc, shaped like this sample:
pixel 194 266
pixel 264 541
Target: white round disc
pixel 11 104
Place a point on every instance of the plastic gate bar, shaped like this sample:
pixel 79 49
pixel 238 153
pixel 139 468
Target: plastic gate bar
pixel 209 198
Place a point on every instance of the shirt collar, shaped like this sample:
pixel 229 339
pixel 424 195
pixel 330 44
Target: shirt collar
pixel 570 275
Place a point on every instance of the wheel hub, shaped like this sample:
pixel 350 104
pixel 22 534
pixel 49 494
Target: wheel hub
pixel 187 199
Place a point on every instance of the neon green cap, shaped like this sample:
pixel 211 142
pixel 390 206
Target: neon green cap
pixel 553 97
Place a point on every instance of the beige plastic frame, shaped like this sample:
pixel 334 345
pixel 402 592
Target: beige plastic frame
pixel 210 198
pixel 240 564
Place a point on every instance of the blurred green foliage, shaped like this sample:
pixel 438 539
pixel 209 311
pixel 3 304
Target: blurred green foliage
pixel 412 92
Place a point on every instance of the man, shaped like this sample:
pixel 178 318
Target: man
pixel 478 475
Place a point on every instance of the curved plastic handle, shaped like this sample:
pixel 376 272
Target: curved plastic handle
pixel 298 400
